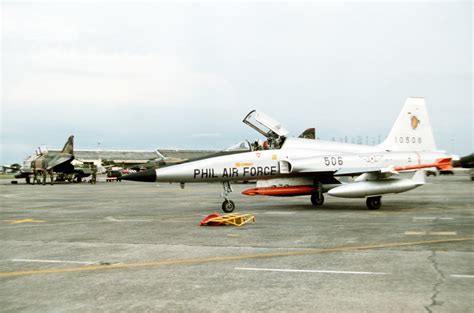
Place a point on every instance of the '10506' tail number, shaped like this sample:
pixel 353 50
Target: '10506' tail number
pixel 328 161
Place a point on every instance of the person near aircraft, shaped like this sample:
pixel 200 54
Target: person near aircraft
pixel 93 174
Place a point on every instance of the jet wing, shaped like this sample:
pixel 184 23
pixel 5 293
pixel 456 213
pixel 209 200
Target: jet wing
pixel 59 160
pixel 440 164
pixel 310 166
pixel 359 171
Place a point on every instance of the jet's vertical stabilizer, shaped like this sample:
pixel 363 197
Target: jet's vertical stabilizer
pixel 412 130
pixel 69 146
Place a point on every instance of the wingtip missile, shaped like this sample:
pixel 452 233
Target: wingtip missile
pixel 440 164
pixel 444 164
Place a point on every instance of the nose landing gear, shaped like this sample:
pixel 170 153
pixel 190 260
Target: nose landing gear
pixel 228 205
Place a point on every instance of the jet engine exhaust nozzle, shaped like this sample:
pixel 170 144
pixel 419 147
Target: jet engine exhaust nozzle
pixel 145 176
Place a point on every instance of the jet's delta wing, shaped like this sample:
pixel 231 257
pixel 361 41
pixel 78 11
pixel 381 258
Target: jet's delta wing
pixel 58 160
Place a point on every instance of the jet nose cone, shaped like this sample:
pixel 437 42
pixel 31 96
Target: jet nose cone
pixel 147 175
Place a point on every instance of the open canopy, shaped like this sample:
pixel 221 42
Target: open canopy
pixel 265 125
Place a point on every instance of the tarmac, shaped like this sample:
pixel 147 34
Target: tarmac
pixel 138 247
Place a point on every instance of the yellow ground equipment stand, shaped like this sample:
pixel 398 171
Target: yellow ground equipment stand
pixel 234 219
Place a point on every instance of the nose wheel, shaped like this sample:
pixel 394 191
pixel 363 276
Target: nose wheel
pixel 228 205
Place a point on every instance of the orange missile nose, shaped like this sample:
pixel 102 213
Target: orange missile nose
pixel 250 192
pixel 444 164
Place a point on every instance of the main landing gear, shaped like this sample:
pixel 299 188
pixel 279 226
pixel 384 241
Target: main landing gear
pixel 228 205
pixel 317 197
pixel 374 203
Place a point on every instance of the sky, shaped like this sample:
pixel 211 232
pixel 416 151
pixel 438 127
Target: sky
pixel 146 75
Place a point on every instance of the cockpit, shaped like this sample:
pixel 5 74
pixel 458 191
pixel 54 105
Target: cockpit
pixel 243 145
pixel 265 125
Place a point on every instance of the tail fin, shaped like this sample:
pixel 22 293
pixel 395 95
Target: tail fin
pixel 69 146
pixel 412 130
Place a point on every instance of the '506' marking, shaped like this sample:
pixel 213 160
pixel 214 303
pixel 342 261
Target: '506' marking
pixel 328 161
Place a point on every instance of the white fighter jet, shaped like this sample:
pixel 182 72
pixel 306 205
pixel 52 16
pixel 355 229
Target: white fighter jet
pixel 286 166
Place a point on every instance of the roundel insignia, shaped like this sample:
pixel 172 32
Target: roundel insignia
pixel 414 122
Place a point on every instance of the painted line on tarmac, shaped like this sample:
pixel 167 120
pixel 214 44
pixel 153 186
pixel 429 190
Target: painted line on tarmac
pixel 431 233
pixel 51 224
pixel 53 261
pixel 112 219
pixel 214 259
pixel 24 220
pixel 305 271
pixel 432 218
pixel 462 276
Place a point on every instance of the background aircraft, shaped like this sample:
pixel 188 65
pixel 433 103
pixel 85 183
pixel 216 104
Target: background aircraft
pixel 13 168
pixel 465 161
pixel 47 163
pixel 159 161
pixel 287 166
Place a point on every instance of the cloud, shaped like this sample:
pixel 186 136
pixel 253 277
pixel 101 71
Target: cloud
pixel 206 135
pixel 89 80
pixel 32 24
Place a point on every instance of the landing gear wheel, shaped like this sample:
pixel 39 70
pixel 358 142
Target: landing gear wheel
pixel 317 199
pixel 228 206
pixel 374 203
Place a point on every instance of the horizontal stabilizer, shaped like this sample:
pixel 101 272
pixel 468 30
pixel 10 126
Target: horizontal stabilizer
pixel 419 178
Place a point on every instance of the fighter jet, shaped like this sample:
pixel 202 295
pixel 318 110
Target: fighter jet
pixel 46 163
pixel 286 166
pixel 157 162
pixel 12 169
